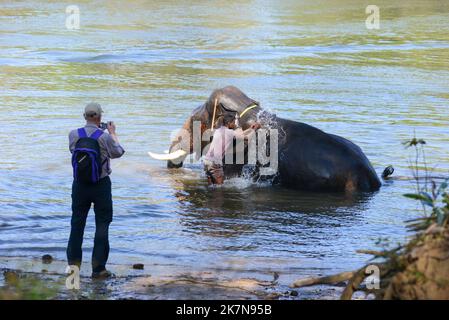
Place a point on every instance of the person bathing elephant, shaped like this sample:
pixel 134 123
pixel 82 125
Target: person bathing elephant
pixel 222 141
pixel 308 158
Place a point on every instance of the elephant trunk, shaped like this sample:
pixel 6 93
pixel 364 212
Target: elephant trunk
pixel 181 146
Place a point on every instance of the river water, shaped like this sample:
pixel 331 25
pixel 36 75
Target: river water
pixel 149 63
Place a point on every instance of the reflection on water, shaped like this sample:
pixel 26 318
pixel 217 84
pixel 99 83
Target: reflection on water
pixel 224 212
pixel 150 63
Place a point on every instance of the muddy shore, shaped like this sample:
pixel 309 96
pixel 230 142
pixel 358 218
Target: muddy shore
pixel 48 280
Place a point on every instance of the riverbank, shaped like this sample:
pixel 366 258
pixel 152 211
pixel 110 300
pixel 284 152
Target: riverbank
pixel 24 278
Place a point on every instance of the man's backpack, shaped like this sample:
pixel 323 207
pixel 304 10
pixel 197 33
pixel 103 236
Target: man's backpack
pixel 86 158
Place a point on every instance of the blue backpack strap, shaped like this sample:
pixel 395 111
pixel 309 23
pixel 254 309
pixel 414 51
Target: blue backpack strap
pixel 82 133
pixel 97 134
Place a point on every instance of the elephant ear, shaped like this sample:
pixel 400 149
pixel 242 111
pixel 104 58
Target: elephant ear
pixel 201 114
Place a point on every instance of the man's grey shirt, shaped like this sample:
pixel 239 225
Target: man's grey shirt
pixel 109 148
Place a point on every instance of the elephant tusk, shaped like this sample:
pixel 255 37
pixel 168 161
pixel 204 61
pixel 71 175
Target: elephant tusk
pixel 169 156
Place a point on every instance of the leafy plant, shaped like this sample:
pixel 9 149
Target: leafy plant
pixel 20 287
pixel 430 194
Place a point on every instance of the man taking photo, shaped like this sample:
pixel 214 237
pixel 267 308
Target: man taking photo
pixel 92 149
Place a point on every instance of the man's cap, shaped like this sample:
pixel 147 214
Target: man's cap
pixel 92 109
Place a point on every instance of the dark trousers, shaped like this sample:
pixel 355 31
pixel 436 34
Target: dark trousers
pixel 83 195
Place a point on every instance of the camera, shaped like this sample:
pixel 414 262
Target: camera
pixel 104 125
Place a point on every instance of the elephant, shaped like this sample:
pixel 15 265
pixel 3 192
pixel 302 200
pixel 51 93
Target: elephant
pixel 308 158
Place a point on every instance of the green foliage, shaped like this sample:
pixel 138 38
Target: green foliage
pixel 437 199
pixel 19 287
pixel 424 197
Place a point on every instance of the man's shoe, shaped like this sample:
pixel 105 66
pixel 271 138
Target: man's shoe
pixel 104 274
